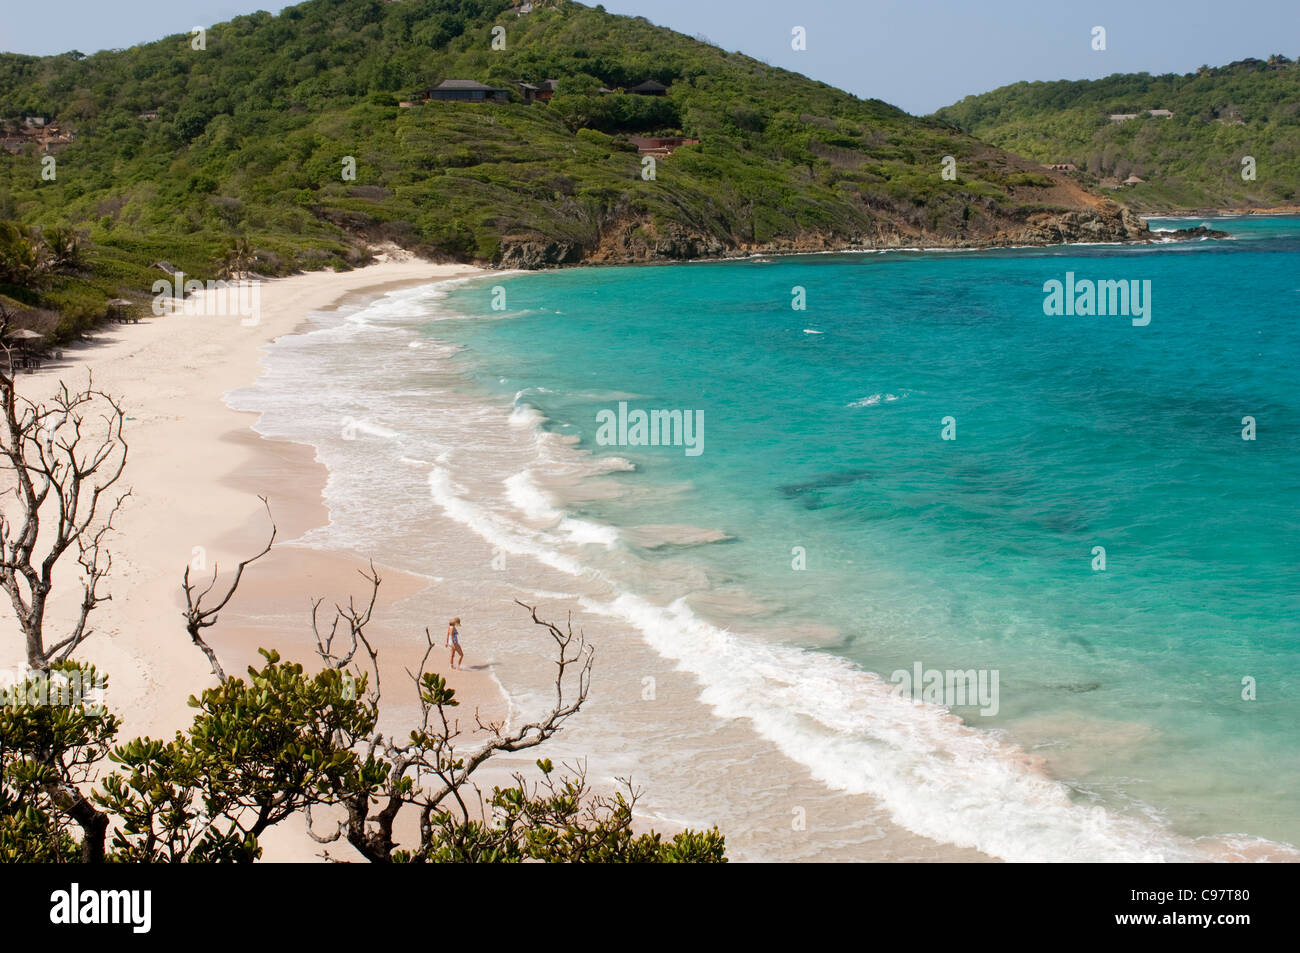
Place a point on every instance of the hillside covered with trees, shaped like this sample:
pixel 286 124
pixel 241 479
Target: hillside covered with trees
pixel 1191 160
pixel 172 152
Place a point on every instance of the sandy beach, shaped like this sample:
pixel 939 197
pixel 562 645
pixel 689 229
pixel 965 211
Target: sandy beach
pixel 197 468
pixel 196 471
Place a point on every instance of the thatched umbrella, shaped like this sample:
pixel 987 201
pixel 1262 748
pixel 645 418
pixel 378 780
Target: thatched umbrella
pixel 118 308
pixel 24 342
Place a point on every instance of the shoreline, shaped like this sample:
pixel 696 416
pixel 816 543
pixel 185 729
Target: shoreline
pixel 218 506
pixel 972 245
pixel 199 461
pixel 600 739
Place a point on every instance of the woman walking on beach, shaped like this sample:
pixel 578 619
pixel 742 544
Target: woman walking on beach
pixel 453 641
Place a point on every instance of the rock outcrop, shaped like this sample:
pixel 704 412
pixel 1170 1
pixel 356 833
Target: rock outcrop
pixel 632 240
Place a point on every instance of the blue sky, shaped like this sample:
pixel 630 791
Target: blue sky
pixel 917 54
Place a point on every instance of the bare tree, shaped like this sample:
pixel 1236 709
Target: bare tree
pixel 65 456
pixel 198 618
pixel 430 771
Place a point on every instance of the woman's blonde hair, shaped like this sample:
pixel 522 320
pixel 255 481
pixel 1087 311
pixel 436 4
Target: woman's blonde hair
pixel 455 621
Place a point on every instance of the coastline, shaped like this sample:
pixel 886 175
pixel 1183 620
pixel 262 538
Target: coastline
pixel 196 460
pixel 221 465
pixel 219 509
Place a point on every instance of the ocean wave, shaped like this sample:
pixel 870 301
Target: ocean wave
pixel 874 399
pixel 526 416
pixel 936 776
pixel 353 426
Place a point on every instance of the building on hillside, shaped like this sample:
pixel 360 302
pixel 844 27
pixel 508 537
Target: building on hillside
pixel 467 91
pixel 1122 117
pixel 649 88
pixel 34 122
pixel 540 93
pixel 1133 180
pixel 661 146
pixel 1160 113
pixel 1062 167
pixel 149 115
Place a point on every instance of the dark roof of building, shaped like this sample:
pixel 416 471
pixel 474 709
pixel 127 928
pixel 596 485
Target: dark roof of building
pixel 649 86
pixel 471 84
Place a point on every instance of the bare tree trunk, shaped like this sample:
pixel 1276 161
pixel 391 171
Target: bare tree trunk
pixel 64 455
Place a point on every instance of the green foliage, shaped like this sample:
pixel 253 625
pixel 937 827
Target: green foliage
pixel 43 747
pixel 259 751
pixel 26 261
pixel 559 821
pixel 1190 160
pixel 251 135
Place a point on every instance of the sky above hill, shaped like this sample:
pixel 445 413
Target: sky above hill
pixel 917 54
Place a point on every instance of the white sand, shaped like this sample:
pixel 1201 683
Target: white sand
pixel 196 470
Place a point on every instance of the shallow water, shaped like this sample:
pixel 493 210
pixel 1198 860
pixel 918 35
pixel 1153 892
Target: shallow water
pixel 826 536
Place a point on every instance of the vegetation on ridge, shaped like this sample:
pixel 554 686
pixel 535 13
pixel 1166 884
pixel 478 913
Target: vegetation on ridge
pixel 252 132
pixel 1191 160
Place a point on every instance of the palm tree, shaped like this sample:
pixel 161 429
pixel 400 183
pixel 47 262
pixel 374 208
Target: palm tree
pixel 238 260
pixel 65 248
pixel 25 260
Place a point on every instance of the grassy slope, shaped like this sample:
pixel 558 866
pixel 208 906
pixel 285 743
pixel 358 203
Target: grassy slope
pixel 1192 161
pixel 252 132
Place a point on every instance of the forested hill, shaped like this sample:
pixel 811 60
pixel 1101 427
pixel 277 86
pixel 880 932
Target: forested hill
pixel 1190 160
pixel 177 152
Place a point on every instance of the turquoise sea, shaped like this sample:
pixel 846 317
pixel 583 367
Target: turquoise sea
pixel 826 530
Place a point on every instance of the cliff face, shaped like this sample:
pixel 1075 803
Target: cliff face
pixel 632 240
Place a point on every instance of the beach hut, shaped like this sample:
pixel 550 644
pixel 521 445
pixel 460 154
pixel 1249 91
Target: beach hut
pixel 25 343
pixel 119 310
